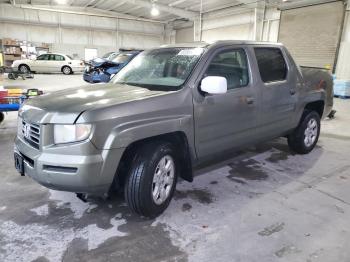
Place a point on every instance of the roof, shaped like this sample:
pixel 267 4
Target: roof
pixel 219 43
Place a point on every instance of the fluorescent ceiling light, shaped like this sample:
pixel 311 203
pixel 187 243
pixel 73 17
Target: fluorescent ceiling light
pixel 61 2
pixel 154 10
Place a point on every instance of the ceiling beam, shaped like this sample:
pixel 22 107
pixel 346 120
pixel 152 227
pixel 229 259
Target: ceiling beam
pixel 116 5
pixel 177 2
pixel 88 11
pixel 89 3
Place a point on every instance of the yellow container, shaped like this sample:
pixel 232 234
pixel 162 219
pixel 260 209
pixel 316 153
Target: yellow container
pixel 14 92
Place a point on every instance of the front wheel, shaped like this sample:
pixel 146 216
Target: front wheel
pixel 24 69
pixel 152 179
pixel 304 138
pixel 67 70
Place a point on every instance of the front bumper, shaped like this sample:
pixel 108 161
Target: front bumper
pixel 57 169
pixel 93 77
pixel 78 69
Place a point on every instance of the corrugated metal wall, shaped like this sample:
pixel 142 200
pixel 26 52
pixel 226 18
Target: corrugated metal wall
pixel 312 33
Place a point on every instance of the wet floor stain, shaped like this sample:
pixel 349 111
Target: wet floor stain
pixel 271 229
pixel 247 170
pixel 61 228
pixel 186 207
pixel 287 250
pixel 239 181
pixel 41 259
pixel 278 156
pixel 203 196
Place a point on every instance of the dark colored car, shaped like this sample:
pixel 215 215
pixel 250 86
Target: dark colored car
pixel 103 69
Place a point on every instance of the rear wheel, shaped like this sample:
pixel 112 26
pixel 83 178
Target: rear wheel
pixel 152 179
pixel 24 69
pixel 67 70
pixel 305 136
pixel 2 117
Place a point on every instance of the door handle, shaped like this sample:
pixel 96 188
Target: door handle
pixel 249 100
pixel 292 91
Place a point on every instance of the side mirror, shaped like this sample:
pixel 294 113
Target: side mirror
pixel 214 85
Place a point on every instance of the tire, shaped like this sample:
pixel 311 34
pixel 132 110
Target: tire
pixel 304 138
pixel 11 76
pixel 66 70
pixel 149 188
pixel 24 69
pixel 2 117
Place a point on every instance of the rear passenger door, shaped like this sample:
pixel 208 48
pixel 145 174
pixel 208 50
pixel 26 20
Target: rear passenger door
pixel 59 62
pixel 55 63
pixel 226 121
pixel 278 85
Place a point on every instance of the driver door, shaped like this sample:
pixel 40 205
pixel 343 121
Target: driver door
pixel 40 64
pixel 229 120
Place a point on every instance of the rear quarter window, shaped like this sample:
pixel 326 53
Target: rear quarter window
pixel 271 63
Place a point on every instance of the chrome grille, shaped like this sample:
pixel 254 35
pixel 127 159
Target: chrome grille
pixel 31 134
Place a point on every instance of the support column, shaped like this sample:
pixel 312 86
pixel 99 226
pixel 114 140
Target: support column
pixel 259 16
pixel 342 67
pixel 197 28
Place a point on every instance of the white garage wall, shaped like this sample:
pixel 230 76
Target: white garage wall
pixel 71 33
pixel 235 24
pixel 184 35
pixel 271 25
pixel 226 26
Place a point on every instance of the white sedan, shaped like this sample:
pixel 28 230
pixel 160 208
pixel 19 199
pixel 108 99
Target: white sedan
pixel 50 63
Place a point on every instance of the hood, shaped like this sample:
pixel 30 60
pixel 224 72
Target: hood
pixel 66 106
pixel 23 61
pixel 103 62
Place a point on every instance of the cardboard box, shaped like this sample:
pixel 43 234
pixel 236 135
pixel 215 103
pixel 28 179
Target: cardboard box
pixel 9 41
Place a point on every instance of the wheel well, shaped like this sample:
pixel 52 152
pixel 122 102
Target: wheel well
pixel 317 106
pixel 178 139
pixel 23 65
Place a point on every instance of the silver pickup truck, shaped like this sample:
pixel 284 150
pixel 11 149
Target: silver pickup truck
pixel 167 111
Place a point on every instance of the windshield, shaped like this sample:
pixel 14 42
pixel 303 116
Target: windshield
pixel 165 69
pixel 71 58
pixel 121 58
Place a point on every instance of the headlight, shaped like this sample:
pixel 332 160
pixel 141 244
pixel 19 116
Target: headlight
pixel 71 133
pixel 19 126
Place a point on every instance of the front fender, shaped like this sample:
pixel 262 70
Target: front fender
pixel 126 133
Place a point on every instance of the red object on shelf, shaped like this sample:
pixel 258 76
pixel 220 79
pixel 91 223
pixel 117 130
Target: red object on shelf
pixel 3 95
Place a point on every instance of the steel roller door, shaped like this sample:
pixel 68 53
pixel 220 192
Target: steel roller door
pixel 312 33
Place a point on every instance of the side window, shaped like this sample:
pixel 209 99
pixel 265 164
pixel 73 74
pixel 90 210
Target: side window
pixel 271 63
pixel 43 57
pixel 231 64
pixel 59 58
pixel 52 57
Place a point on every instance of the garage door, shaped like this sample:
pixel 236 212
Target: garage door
pixel 312 33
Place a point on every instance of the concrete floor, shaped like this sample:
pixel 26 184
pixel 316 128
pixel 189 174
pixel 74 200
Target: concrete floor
pixel 263 204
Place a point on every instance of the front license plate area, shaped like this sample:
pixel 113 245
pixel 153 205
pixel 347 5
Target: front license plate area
pixel 19 164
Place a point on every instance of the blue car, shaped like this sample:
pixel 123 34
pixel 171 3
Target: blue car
pixel 103 69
